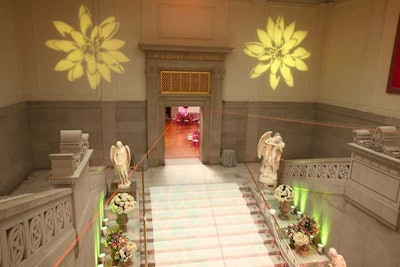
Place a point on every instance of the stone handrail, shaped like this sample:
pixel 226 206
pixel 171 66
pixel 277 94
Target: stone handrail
pixel 270 220
pixel 282 243
pixel 33 224
pixel 47 228
pixel 327 170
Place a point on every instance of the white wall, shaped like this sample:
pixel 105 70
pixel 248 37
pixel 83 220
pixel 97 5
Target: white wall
pixel 357 58
pixel 351 44
pixel 46 84
pixel 9 93
pixel 248 16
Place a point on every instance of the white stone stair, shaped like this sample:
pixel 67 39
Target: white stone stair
pixel 207 225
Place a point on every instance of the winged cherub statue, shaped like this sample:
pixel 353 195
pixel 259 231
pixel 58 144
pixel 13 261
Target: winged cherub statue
pixel 120 156
pixel 336 260
pixel 270 148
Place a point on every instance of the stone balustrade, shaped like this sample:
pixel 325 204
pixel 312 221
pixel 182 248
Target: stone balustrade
pixel 332 169
pixel 35 229
pixel 38 229
pixel 374 184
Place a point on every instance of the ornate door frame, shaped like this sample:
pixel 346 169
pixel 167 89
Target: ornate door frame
pixel 183 58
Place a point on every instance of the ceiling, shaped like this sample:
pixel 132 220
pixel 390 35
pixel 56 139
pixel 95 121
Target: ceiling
pixel 301 1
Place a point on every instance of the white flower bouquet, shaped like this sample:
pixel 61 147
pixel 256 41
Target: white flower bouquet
pixel 126 253
pixel 284 193
pixel 122 203
pixel 301 239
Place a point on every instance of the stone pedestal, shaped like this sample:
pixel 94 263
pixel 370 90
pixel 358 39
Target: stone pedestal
pixel 374 184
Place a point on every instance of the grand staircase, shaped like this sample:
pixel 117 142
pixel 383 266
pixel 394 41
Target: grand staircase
pixel 207 225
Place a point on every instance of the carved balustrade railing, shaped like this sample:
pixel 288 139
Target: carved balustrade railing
pixel 33 224
pixel 335 170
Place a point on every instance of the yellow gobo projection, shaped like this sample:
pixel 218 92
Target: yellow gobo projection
pixel 278 52
pixel 92 50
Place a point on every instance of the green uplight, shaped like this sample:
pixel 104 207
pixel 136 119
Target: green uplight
pixel 325 227
pixel 97 224
pixel 300 197
pixel 96 240
pixel 303 200
pixel 296 199
pixel 101 207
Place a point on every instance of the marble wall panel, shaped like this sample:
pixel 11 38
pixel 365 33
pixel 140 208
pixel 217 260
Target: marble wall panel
pixel 288 119
pixel 335 126
pixel 131 125
pixel 47 118
pixel 15 146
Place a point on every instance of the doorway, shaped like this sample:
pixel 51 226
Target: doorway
pixel 182 137
pixel 162 63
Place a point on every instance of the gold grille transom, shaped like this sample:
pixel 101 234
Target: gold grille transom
pixel 185 82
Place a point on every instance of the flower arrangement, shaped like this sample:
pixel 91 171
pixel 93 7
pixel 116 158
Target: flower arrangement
pixel 307 226
pixel 122 203
pixel 115 238
pixel 301 239
pixel 126 252
pixel 284 193
pixel 290 230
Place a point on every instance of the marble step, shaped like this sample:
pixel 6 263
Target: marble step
pixel 216 253
pixel 198 203
pixel 251 261
pixel 196 213
pixel 195 188
pixel 243 239
pixel 199 195
pixel 205 231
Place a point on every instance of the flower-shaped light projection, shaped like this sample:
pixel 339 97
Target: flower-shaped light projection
pixel 92 50
pixel 278 51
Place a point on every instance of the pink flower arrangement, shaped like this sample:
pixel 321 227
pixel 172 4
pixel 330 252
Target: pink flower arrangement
pixel 305 225
pixel 126 253
pixel 115 238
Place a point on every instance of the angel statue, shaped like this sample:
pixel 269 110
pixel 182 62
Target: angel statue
pixel 270 148
pixel 336 260
pixel 120 156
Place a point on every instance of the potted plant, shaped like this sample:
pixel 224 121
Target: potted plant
pixel 284 194
pixel 121 204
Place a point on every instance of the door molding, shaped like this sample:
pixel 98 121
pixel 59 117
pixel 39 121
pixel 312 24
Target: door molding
pixel 184 58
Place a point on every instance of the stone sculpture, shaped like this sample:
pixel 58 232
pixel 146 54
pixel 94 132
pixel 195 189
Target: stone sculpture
pixel 120 156
pixel 386 139
pixel 336 260
pixel 270 148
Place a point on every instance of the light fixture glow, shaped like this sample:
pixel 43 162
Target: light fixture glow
pixel 325 228
pixel 92 50
pixel 278 52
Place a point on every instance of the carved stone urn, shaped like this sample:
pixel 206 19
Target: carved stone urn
pixel 122 220
pixel 302 250
pixel 284 208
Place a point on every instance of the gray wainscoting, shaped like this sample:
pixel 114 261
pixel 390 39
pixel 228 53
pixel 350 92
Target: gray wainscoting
pixel 15 146
pixel 106 122
pixel 31 131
